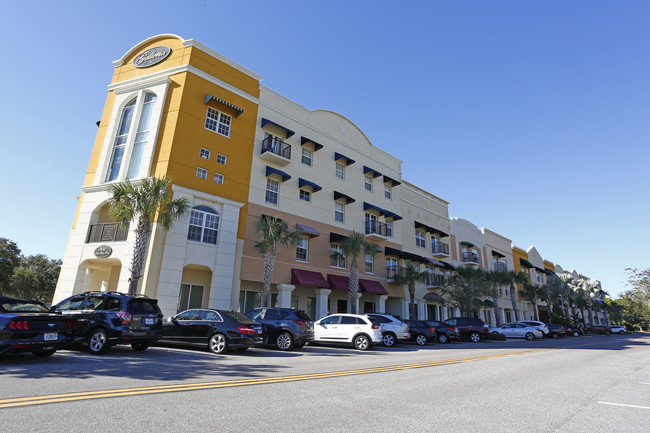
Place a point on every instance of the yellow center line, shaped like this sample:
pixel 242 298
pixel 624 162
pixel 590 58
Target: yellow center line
pixel 56 398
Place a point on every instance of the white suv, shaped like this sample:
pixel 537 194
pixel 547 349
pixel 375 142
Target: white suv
pixel 354 329
pixel 539 325
pixel 392 328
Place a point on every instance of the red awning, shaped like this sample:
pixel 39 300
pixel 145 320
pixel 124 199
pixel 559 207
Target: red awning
pixel 300 277
pixel 338 282
pixel 371 286
pixel 433 297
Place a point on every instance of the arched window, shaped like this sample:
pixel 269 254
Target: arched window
pixel 204 225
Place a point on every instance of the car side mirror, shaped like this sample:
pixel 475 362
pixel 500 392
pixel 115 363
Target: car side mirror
pixel 171 320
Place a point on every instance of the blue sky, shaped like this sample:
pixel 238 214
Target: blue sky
pixel 529 117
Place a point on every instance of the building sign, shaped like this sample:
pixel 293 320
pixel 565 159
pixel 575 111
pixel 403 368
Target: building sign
pixel 103 251
pixel 152 56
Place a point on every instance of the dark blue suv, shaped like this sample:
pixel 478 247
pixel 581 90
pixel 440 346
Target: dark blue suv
pixel 284 328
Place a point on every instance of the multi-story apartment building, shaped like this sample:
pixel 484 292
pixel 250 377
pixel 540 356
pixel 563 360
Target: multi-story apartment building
pixel 498 250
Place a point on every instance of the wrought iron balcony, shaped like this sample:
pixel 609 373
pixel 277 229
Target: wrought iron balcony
pixel 392 271
pixel 376 229
pixel 439 249
pixel 501 267
pixel 470 258
pixel 435 280
pixel 110 232
pixel 276 150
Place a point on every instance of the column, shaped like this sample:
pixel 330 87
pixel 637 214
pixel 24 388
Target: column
pixel 381 303
pixel 421 309
pixel 284 295
pixel 321 302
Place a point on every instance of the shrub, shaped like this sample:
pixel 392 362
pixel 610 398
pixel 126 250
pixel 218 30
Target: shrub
pixel 601 332
pixel 496 336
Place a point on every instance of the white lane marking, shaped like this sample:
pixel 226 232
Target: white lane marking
pixel 644 383
pixel 624 405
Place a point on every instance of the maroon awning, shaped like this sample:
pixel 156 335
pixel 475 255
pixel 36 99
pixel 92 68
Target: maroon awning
pixel 433 297
pixel 371 286
pixel 300 277
pixel 338 282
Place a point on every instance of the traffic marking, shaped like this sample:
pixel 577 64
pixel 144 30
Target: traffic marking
pixel 625 405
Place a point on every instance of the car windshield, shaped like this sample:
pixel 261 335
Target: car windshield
pixel 23 306
pixel 143 306
pixel 237 317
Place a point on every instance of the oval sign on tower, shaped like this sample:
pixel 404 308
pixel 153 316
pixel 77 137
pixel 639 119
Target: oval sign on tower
pixel 152 56
pixel 103 251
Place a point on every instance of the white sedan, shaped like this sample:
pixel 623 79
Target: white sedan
pixel 617 329
pixel 518 330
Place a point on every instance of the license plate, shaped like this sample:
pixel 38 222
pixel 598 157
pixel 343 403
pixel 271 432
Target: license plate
pixel 51 336
pixel 149 321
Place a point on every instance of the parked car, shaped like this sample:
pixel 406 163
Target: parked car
pixel 284 328
pixel 535 324
pixel 518 330
pixel 618 329
pixel 28 326
pixel 469 327
pixel 220 330
pixel 556 331
pixel 392 328
pixel 358 330
pixel 444 331
pixel 103 319
pixel 573 330
pixel 595 328
pixel 421 332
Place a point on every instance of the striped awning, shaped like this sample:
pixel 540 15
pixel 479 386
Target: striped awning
pixel 269 122
pixel 302 182
pixel 209 98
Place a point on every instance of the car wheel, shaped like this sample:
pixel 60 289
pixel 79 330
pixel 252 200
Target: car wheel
pixel 421 340
pixel 43 352
pixel 98 342
pixel 442 338
pixel 530 336
pixel 283 341
pixel 555 335
pixel 388 339
pixel 362 342
pixel 475 337
pixel 575 333
pixel 139 347
pixel 623 332
pixel 218 343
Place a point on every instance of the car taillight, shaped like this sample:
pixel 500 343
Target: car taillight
pixel 124 317
pixel 19 324
pixel 375 326
pixel 454 330
pixel 432 329
pixel 299 322
pixel 70 324
pixel 245 330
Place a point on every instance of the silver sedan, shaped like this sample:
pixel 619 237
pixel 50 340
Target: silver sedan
pixel 518 330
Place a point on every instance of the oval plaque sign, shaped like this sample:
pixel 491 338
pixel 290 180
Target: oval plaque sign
pixel 103 251
pixel 152 56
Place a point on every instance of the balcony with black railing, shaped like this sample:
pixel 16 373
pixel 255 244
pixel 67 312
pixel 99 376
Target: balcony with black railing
pixel 108 232
pixel 470 258
pixel 276 150
pixel 393 271
pixel 434 280
pixel 440 249
pixel 376 229
pixel 501 267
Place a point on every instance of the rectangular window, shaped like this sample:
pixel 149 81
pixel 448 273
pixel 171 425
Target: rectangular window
pixel 370 264
pixel 388 192
pixel 420 239
pixel 368 183
pixel 272 191
pixel 310 306
pixel 339 212
pixel 218 178
pixel 305 195
pixel 340 171
pixel 205 153
pixel 190 296
pixel 218 122
pixel 249 300
pixel 221 159
pixel 295 300
pixel 389 228
pixel 307 156
pixel 302 248
pixel 201 172
pixel 338 260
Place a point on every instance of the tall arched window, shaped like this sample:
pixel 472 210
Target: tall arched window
pixel 204 225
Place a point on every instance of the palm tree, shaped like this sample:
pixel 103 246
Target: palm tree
pixel 513 279
pixel 352 247
pixel 565 290
pixel 532 293
pixel 411 276
pixel 589 289
pixel 468 288
pixel 149 201
pixel 274 232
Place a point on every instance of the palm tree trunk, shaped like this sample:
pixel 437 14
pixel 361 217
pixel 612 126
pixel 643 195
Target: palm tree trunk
pixel 513 295
pixel 269 260
pixel 535 311
pixel 566 308
pixel 412 303
pixel 354 286
pixel 142 235
pixel 591 314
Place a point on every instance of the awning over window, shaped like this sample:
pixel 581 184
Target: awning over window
pixel 368 206
pixel 429 229
pixel 436 263
pixel 209 98
pixel 305 140
pixel 448 266
pixel 392 215
pixel 526 263
pixel 338 282
pixel 549 272
pixel 467 244
pixel 302 182
pixel 300 277
pixel 388 251
pixel 335 237
pixel 340 195
pixel 374 172
pixel 391 181
pixel 288 132
pixel 497 254
pixel 270 170
pixel 415 257
pixel 308 230
pixel 348 161
pixel 371 286
pixel 432 297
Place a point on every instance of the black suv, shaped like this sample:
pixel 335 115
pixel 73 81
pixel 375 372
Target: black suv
pixel 421 332
pixel 469 327
pixel 106 318
pixel 284 328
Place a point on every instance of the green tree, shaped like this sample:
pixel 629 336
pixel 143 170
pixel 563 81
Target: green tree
pixel 273 232
pixel 36 277
pixel 589 290
pixel 468 289
pixel 9 260
pixel 634 309
pixel 149 201
pixel 411 276
pixel 512 279
pixel 353 247
pixel 532 293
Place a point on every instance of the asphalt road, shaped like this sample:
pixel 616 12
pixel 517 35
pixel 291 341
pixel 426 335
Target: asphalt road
pixel 584 384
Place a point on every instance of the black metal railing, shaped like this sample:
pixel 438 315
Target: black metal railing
pixel 276 146
pixel 501 267
pixel 470 258
pixel 435 280
pixel 393 271
pixel 439 248
pixel 376 227
pixel 110 232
